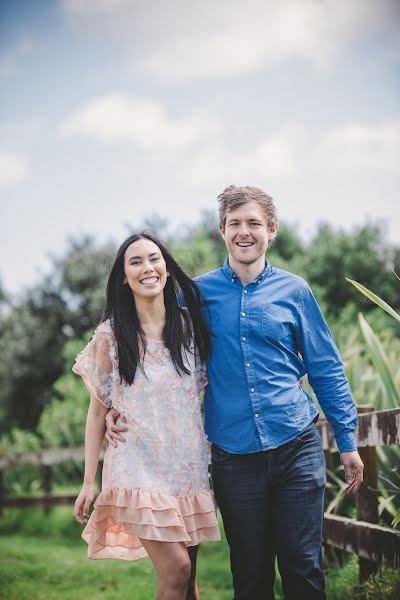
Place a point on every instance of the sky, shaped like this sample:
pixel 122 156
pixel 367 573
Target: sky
pixel 114 111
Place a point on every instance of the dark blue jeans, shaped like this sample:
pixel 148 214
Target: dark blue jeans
pixel 272 504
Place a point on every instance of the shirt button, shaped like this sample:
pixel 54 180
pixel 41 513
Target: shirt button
pixel 252 389
pixel 244 339
pixel 243 314
pixel 247 364
pixel 245 291
pixel 256 415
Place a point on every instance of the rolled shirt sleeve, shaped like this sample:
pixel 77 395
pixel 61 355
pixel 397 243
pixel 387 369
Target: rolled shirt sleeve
pixel 325 370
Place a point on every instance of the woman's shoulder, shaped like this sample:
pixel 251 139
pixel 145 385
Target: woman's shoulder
pixel 104 327
pixel 104 332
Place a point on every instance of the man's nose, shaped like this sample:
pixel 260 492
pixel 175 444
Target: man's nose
pixel 243 230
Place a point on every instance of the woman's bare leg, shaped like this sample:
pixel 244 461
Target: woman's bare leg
pixel 193 590
pixel 173 566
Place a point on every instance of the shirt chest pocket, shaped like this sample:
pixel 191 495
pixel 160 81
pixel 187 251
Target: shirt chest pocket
pixel 277 322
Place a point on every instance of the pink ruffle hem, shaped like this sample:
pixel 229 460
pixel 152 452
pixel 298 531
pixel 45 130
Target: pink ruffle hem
pixel 122 516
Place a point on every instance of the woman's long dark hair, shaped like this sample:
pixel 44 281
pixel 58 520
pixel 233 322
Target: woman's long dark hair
pixel 180 325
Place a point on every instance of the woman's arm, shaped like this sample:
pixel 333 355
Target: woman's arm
pixel 94 433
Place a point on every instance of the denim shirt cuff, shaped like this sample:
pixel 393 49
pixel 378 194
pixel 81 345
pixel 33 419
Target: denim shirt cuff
pixel 346 442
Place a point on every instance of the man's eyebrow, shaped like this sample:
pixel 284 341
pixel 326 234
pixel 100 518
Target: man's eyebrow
pixel 232 220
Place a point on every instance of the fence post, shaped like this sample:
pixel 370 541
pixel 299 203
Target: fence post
pixel 333 557
pixel 367 499
pixel 2 492
pixel 47 483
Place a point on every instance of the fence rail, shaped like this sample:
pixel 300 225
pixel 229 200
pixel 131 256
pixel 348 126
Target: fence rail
pixel 381 428
pixel 377 544
pixel 363 536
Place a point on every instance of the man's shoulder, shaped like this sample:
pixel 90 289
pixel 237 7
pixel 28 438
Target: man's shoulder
pixel 210 277
pixel 294 280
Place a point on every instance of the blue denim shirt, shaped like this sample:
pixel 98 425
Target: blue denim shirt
pixel 266 336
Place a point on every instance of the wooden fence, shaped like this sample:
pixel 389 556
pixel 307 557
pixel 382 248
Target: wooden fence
pixel 363 536
pixel 373 543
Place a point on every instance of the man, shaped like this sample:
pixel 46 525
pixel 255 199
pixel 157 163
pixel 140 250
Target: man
pixel 268 465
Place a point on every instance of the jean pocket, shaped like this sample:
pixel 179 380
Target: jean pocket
pixel 219 455
pixel 309 435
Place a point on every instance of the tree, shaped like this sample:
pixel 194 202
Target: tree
pixel 363 255
pixel 64 305
pixel 69 301
pixel 31 346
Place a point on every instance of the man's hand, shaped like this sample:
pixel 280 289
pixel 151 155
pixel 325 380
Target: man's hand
pixel 353 470
pixel 113 433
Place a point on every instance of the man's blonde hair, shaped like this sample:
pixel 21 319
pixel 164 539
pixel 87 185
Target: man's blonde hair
pixel 235 196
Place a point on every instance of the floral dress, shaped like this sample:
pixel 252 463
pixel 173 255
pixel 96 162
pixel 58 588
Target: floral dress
pixel 155 485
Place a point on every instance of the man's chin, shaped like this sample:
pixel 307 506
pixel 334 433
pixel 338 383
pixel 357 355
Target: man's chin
pixel 247 261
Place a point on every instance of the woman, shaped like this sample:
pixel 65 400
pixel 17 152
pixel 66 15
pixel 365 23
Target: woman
pixel 145 360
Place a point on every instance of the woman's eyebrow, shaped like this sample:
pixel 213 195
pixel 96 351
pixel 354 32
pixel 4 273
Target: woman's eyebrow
pixel 140 257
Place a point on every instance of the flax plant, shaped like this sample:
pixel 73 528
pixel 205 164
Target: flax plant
pixel 373 369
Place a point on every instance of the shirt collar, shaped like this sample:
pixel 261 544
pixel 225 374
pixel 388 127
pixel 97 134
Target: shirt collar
pixel 233 277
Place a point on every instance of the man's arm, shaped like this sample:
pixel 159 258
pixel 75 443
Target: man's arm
pixel 328 379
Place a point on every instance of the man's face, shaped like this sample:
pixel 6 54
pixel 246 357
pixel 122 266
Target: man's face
pixel 246 233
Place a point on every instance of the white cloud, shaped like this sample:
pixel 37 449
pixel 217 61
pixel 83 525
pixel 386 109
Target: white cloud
pixel 10 61
pixel 292 150
pixel 279 154
pixel 181 41
pixel 362 146
pixel 13 168
pixel 119 118
pixel 6 66
pixel 21 128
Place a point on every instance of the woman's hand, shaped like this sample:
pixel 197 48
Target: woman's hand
pixel 83 502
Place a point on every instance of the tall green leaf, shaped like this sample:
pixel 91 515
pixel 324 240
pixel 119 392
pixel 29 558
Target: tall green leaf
pixel 380 361
pixel 375 298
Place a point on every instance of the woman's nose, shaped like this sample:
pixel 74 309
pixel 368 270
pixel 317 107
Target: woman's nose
pixel 147 267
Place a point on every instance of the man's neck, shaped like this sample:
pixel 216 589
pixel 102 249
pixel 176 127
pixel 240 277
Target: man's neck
pixel 247 273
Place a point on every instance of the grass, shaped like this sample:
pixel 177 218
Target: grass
pixel 43 558
pixel 47 570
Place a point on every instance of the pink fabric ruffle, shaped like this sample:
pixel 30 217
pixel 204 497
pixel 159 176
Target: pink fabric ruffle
pixel 122 516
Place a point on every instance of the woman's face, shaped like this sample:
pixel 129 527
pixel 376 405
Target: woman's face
pixel 145 269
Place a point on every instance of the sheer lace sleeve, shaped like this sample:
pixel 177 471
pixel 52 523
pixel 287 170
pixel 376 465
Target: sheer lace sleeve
pixel 97 366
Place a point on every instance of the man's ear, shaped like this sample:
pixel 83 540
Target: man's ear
pixel 222 232
pixel 272 232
